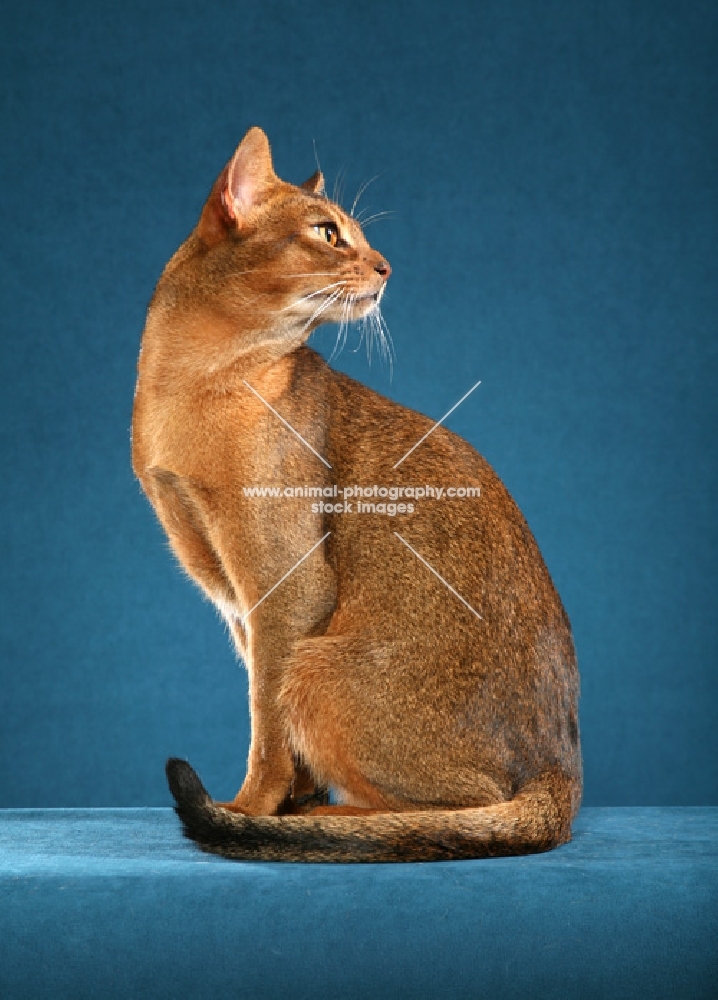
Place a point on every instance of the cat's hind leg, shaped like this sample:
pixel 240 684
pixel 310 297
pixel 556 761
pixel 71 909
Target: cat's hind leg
pixel 323 727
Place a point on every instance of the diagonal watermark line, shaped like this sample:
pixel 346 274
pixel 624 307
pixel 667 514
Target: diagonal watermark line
pixel 438 422
pixel 454 592
pixel 287 424
pixel 298 563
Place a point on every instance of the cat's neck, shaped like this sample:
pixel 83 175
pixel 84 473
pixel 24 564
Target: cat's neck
pixel 194 342
pixel 196 353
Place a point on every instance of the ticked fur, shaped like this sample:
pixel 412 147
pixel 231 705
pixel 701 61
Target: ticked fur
pixel 444 731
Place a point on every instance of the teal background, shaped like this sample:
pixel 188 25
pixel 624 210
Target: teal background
pixel 551 170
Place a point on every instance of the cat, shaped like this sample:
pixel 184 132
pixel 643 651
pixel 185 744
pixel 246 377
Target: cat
pixel 418 663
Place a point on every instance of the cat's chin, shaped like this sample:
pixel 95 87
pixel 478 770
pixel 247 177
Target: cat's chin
pixel 361 306
pixel 366 304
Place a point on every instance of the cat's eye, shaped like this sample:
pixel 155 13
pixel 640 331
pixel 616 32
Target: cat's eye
pixel 329 232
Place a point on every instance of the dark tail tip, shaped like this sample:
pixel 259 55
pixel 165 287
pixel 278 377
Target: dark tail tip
pixel 187 789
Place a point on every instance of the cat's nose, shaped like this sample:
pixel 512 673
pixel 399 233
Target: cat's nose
pixel 383 268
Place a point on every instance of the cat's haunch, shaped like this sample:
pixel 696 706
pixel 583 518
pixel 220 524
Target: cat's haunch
pixel 420 665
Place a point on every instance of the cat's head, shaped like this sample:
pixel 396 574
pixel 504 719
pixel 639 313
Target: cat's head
pixel 284 253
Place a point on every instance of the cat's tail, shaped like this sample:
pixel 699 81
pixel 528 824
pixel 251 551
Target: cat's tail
pixel 536 819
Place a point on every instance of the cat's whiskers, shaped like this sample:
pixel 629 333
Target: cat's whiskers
pixel 311 295
pixel 316 157
pixel 326 288
pixel 335 349
pixel 339 186
pixel 386 340
pixel 374 326
pixel 272 269
pixel 344 322
pixel 360 192
pixel 311 274
pixel 347 319
pixel 339 333
pixel 362 330
pixel 322 307
pixel 373 218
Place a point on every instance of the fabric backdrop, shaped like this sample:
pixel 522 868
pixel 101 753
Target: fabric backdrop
pixel 551 173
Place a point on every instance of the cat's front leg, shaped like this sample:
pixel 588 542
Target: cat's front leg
pixel 272 631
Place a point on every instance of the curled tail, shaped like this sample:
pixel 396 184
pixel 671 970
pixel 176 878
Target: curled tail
pixel 536 819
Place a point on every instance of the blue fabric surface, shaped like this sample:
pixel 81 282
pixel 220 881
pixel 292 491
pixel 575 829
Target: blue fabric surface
pixel 114 903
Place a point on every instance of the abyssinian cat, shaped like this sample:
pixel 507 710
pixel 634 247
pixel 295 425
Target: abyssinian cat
pixel 416 661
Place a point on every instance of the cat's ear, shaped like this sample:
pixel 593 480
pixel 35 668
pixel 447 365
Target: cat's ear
pixel 249 175
pixel 315 184
pixel 239 188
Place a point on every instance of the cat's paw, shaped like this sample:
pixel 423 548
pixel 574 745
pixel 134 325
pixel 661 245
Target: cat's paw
pixel 233 807
pixel 303 804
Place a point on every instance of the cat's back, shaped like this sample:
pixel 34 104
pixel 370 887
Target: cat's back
pixel 442 497
pixel 371 437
